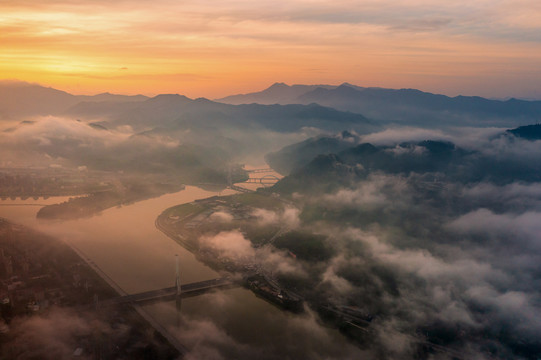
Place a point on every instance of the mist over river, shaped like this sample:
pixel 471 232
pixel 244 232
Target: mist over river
pixel 125 244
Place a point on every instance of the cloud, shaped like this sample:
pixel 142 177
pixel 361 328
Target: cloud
pixel 207 341
pixel 424 264
pixel 228 244
pixel 460 258
pixel 507 146
pixel 516 197
pixel 338 284
pixel 515 309
pixel 401 150
pixel 52 336
pixel 300 336
pixel 523 229
pixel 412 288
pixel 288 217
pixel 423 25
pixel 235 246
pixel 221 216
pixel 375 192
pixel 73 143
pixel 45 138
pixel 365 196
pixel 394 135
pixel 167 37
pixel 509 192
pixel 266 217
pixel 466 137
pixel 280 263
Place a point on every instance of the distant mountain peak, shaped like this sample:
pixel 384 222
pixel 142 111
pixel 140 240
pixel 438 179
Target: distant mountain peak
pixel 278 85
pixel 277 93
pixel 19 83
pixel 277 88
pixel 168 97
pixel 316 94
pixel 203 100
pixel 345 87
pixel 163 96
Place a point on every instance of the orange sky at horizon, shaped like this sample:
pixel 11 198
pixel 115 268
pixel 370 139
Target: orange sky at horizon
pixel 210 49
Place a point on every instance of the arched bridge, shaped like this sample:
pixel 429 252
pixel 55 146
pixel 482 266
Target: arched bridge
pixel 258 171
pixel 266 180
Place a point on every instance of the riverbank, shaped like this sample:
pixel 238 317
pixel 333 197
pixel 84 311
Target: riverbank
pixel 92 204
pixel 237 232
pixel 255 327
pixel 186 223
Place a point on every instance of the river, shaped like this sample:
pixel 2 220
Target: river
pixel 125 244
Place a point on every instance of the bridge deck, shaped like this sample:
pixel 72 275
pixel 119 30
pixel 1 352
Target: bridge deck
pixel 258 171
pixel 263 181
pixel 170 293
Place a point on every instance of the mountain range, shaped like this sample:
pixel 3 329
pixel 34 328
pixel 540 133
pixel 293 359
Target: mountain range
pixel 178 125
pixel 178 111
pixel 409 107
pixel 404 106
pixel 324 161
pixel 19 100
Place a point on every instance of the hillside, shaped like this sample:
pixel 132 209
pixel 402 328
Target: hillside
pixel 21 99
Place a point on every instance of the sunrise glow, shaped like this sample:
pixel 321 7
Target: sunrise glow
pixel 206 48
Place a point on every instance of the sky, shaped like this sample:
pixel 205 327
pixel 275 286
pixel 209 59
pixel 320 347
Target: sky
pixel 207 48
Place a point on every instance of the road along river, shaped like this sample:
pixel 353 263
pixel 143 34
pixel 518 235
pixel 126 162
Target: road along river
pixel 124 244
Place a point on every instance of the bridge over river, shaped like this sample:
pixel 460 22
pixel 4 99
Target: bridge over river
pixel 172 293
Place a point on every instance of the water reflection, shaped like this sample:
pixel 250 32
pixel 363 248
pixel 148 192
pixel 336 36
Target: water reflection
pixel 125 244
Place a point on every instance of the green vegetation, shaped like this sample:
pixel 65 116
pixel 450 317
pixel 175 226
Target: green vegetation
pixel 259 234
pixel 313 212
pixel 128 192
pixel 81 206
pixel 184 210
pixel 305 245
pixel 255 200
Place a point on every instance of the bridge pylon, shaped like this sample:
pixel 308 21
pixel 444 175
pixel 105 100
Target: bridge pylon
pixel 177 277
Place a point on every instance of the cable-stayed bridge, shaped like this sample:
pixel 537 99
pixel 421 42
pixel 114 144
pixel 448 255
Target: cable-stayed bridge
pixel 176 292
pixel 172 293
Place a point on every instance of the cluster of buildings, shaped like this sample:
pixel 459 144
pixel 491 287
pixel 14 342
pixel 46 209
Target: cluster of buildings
pixel 33 279
pixel 37 274
pixel 45 182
